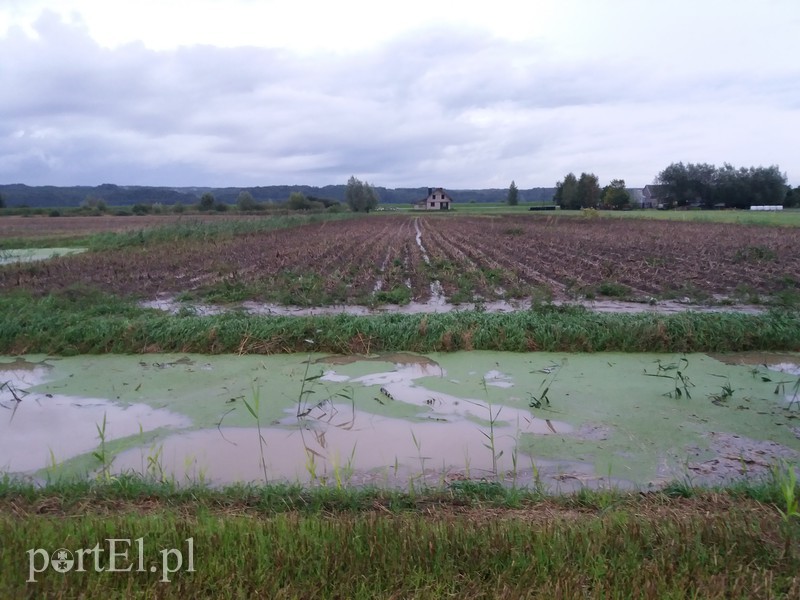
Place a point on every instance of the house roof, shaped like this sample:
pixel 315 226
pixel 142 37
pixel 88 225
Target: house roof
pixel 654 190
pixel 434 191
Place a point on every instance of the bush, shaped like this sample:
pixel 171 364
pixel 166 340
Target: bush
pixel 207 201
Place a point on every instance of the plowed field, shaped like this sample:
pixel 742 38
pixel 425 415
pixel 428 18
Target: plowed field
pixel 398 258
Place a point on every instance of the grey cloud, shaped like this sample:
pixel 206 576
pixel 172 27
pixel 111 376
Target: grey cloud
pixel 453 108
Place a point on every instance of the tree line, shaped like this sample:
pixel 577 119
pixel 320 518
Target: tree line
pixel 678 185
pixel 701 184
pixel 574 193
pixel 21 195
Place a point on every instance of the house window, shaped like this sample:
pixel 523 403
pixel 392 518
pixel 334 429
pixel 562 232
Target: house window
pixel 433 204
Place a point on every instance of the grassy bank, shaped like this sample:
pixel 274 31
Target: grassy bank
pixel 75 323
pixel 367 544
pixel 107 233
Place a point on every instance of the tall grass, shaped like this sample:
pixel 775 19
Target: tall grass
pixel 81 324
pixel 194 229
pixel 708 546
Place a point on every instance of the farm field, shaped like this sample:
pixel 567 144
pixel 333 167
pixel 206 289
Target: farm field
pixel 399 259
pixel 368 458
pixel 16 227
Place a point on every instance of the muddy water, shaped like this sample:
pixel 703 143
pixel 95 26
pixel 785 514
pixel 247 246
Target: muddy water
pixel 438 304
pixel 566 420
pixel 42 429
pixel 21 255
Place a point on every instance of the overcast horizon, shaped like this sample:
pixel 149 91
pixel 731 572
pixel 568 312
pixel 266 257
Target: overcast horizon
pixel 462 95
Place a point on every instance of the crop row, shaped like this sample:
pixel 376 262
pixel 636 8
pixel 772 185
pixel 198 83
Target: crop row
pixel 395 258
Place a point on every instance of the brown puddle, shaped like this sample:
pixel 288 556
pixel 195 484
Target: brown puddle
pixel 37 429
pixel 357 448
pixel 784 362
pixel 397 358
pixel 20 364
pixel 439 304
pixel 405 418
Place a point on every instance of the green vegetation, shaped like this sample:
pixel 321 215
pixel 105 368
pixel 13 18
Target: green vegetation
pixel 467 541
pixel 187 229
pixel 79 321
pixel 615 196
pixel 513 195
pixel 360 196
pixel 707 185
pixel 574 193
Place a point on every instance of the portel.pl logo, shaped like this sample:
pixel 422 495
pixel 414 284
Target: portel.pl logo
pixel 121 556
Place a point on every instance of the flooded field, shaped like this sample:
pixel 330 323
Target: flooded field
pixel 24 255
pixel 437 304
pixel 561 421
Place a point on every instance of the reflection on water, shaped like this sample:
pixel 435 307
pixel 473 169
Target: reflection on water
pixel 336 441
pixel 36 429
pixel 397 418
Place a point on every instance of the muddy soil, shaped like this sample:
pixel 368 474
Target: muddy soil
pixel 463 259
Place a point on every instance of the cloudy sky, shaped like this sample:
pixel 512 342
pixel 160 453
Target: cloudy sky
pixel 460 94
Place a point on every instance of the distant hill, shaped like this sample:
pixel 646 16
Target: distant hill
pixel 126 195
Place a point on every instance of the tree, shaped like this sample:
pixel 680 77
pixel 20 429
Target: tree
pixel 360 196
pixel 96 204
pixel 298 201
pixel 708 185
pixel 566 195
pixel 675 180
pixel 791 200
pixel 588 191
pixel 513 194
pixel 245 201
pixel 615 196
pixel 207 201
pixel 2 201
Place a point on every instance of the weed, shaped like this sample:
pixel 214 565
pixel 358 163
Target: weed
pixel 255 409
pixel 541 397
pixel 101 455
pixel 780 389
pixel 306 390
pixel 398 295
pixel 754 254
pixel 90 323
pixel 680 382
pixel 513 231
pixel 725 393
pixel 311 464
pixel 493 416
pixel 682 488
pixel 612 289
pixel 785 477
pixel 422 459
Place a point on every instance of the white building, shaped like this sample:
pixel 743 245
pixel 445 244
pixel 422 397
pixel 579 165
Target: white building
pixel 437 199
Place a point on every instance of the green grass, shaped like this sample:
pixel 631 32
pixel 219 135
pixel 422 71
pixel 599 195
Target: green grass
pixel 188 229
pixel 462 543
pixel 205 230
pixel 84 322
pixel 784 218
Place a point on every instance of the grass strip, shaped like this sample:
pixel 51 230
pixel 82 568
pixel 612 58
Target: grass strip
pixel 431 545
pixel 68 324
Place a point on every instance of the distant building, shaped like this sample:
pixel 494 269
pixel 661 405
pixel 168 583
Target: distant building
pixel 654 196
pixel 437 199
